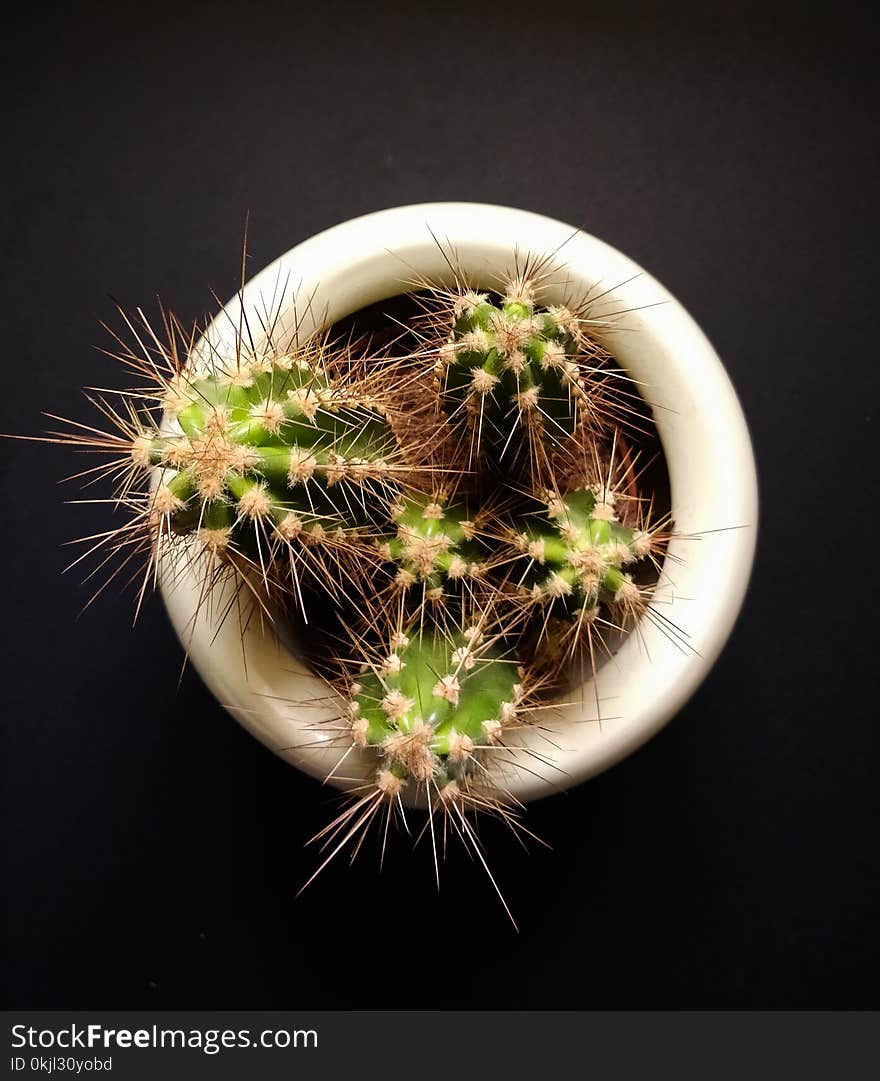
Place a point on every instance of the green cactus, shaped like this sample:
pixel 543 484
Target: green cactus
pixel 514 364
pixel 432 703
pixel 578 553
pixel 434 545
pixel 262 455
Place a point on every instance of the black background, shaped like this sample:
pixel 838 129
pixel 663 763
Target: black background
pixel 154 849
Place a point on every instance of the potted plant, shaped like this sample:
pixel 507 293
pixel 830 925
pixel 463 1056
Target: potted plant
pixel 524 324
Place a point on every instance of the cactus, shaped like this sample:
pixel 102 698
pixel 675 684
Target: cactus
pixel 432 702
pixel 266 463
pixel 434 546
pixel 268 457
pixel 432 705
pixel 522 376
pixel 579 552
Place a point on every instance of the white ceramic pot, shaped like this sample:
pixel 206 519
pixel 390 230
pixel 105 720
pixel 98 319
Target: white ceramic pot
pixel 705 441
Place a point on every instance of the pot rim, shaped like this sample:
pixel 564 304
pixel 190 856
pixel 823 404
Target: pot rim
pixel 708 455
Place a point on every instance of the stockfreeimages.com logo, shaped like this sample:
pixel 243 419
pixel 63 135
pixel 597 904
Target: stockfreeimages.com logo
pixel 211 1040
